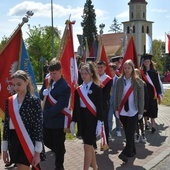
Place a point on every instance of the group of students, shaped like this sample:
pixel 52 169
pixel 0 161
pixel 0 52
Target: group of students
pixel 28 126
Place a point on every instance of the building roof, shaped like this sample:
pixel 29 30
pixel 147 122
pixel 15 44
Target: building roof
pixel 138 1
pixel 143 1
pixel 112 43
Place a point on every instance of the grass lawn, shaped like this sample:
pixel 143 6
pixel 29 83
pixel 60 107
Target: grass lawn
pixel 166 99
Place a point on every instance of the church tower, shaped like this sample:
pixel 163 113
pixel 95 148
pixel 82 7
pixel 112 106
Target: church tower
pixel 138 25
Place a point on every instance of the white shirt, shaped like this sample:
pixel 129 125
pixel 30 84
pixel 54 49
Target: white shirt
pixel 85 91
pixel 132 110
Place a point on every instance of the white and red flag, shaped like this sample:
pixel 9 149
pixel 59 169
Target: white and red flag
pixel 167 43
pixel 68 60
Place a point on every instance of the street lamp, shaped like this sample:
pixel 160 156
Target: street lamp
pixel 52 27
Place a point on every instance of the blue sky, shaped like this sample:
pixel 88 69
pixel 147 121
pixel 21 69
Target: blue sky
pixel 12 12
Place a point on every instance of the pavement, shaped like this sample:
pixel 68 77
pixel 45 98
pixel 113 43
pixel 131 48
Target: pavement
pixel 148 155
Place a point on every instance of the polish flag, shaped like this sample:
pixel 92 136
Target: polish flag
pixel 167 43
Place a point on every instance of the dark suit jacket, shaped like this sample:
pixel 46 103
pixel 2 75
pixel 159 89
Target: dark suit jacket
pixel 96 98
pixel 52 116
pixel 106 95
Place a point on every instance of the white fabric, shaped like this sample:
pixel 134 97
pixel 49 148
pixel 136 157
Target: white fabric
pixel 140 116
pixel 103 77
pixel 132 110
pixel 99 128
pixel 21 125
pixel 5 145
pixel 72 128
pixel 84 91
pixel 45 92
pixel 38 146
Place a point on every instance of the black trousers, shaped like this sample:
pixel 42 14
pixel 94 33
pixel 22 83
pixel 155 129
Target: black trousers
pixel 129 126
pixel 55 139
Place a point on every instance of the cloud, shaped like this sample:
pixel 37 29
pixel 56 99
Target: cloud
pixel 44 10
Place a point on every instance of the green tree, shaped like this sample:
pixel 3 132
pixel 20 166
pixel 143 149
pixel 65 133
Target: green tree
pixel 89 23
pixel 115 27
pixel 3 41
pixel 158 47
pixel 39 45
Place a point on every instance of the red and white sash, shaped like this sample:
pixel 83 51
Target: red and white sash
pixel 47 80
pixel 148 80
pixel 66 111
pixel 104 80
pixel 128 91
pixel 21 131
pixel 92 108
pixel 89 104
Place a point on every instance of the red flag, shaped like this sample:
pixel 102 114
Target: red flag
pixel 9 57
pixel 167 43
pixel 68 60
pixel 93 50
pixel 130 54
pixel 105 58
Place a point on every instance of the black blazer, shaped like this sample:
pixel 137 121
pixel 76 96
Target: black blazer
pixel 95 96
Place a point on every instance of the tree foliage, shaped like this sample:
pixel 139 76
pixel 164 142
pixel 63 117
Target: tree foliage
pixel 89 23
pixel 3 41
pixel 39 46
pixel 158 55
pixel 115 27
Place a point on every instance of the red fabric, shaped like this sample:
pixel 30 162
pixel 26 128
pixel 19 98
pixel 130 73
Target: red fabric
pixel 19 132
pixel 125 99
pixel 69 69
pixel 8 65
pixel 91 54
pixel 168 43
pixel 105 58
pixel 86 102
pixel 130 54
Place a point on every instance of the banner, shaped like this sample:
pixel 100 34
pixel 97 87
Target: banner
pixel 68 60
pixel 25 65
pixel 167 43
pixel 9 58
pixel 12 58
pixel 130 54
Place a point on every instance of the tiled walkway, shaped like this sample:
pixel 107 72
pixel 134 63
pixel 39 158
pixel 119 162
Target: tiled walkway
pixel 148 154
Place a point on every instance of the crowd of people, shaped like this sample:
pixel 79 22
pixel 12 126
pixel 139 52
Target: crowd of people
pixel 32 122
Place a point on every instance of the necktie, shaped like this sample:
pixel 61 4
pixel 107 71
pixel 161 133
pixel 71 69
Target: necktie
pixel 126 106
pixel 86 87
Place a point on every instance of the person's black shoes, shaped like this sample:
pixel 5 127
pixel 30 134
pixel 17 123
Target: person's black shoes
pixel 153 129
pixel 9 164
pixel 146 127
pixel 123 157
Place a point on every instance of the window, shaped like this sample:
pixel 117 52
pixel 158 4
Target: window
pixel 133 29
pixel 142 29
pixel 147 30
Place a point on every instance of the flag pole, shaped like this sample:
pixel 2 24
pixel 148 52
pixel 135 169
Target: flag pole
pixel 24 20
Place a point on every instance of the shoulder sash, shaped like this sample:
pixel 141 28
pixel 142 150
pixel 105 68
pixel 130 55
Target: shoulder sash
pixel 21 131
pixel 87 101
pixel 129 91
